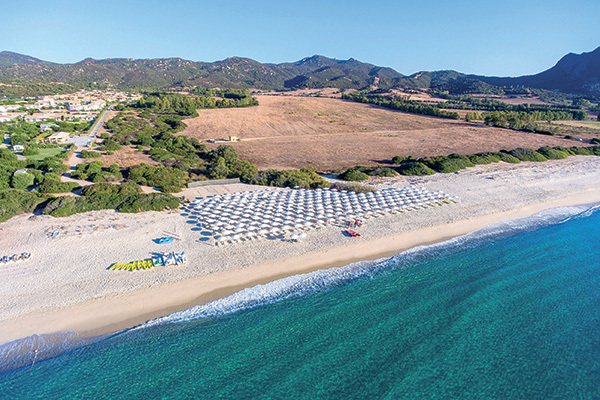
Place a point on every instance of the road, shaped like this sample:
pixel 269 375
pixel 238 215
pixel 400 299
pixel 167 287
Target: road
pixel 84 141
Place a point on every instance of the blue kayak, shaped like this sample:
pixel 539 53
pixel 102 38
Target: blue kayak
pixel 165 240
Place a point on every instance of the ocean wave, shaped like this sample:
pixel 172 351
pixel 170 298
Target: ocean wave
pixel 304 284
pixel 27 351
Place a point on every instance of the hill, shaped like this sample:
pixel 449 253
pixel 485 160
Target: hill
pixel 233 72
pixel 574 73
pixel 8 58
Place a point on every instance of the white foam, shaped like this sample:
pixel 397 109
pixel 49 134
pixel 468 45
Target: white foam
pixel 35 348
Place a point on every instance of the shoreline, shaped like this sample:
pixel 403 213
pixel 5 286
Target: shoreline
pixel 112 314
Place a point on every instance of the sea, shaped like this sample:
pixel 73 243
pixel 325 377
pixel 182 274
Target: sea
pixel 511 311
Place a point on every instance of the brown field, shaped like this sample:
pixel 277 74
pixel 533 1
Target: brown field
pixel 329 134
pixel 126 157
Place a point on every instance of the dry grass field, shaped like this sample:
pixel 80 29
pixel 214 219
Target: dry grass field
pixel 126 157
pixel 329 134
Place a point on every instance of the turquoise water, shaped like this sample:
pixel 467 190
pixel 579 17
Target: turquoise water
pixel 510 312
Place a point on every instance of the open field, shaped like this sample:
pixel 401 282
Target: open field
pixel 126 157
pixel 45 153
pixel 329 134
pixel 582 124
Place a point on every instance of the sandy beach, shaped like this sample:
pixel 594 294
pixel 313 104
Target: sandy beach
pixel 65 285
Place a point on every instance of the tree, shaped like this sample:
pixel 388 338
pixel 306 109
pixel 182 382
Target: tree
pixel 22 180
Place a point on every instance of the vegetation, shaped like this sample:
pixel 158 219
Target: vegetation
pixel 411 167
pixel 14 202
pixel 127 197
pixel 303 178
pixel 90 154
pixel 527 155
pixel 167 179
pixel 58 187
pixel 456 162
pixel 400 103
pixel 173 103
pixel 451 163
pixel 354 174
pixel 353 187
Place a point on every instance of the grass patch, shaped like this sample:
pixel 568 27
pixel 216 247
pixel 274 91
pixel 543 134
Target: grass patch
pixel 45 153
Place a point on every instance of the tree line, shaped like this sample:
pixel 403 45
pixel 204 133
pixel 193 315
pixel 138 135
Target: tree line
pixel 401 103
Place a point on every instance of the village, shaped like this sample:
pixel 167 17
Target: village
pixel 46 112
pixel 83 105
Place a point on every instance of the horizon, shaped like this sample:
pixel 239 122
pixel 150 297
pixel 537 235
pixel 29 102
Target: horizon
pixel 513 39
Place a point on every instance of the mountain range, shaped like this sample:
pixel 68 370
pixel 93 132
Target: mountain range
pixel 574 73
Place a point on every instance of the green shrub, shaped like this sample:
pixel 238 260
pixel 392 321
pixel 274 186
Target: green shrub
pixel 414 168
pixel 30 151
pixel 148 202
pixel 452 163
pixel 553 154
pixel 504 156
pixel 110 144
pixel 304 178
pixel 383 172
pixel 525 154
pixel 22 181
pixel 353 187
pixel 90 154
pixel 127 197
pixel 51 177
pixel 398 159
pixel 168 179
pixel 353 174
pixel 14 202
pixel 484 158
pixel 58 187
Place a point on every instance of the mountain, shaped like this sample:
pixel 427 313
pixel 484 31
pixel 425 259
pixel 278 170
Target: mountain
pixel 574 73
pixel 8 58
pixel 234 72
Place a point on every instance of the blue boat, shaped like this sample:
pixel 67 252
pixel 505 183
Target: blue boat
pixel 165 240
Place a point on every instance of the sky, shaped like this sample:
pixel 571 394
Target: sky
pixel 500 38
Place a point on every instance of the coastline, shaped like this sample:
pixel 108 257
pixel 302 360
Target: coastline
pixel 111 315
pixel 66 287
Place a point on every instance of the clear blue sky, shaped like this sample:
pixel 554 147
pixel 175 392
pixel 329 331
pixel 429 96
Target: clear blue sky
pixel 506 38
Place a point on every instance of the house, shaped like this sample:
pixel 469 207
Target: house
pixel 46 127
pixel 57 137
pixel 40 117
pixel 18 147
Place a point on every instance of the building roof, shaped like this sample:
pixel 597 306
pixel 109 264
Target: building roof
pixel 59 135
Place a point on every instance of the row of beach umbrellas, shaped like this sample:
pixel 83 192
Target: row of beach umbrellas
pixel 239 216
